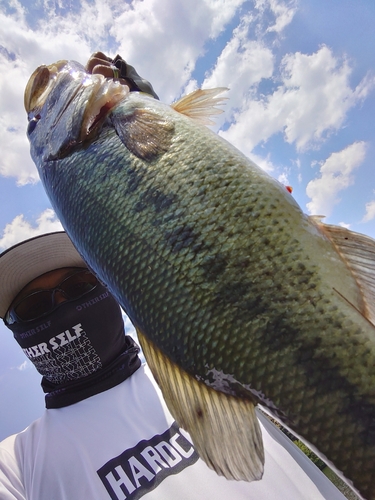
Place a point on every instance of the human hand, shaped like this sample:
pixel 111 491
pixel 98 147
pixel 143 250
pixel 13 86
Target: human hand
pixel 118 69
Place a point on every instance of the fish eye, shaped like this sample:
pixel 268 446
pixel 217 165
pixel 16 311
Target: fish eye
pixel 32 124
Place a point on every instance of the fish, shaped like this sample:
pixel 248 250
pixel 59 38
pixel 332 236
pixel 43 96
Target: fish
pixel 239 299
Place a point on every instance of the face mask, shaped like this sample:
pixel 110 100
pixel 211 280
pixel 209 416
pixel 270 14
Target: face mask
pixel 75 340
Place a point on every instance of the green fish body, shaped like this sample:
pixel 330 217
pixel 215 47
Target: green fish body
pixel 238 297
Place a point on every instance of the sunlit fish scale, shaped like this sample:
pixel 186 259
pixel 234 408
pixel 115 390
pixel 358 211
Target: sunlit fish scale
pixel 237 296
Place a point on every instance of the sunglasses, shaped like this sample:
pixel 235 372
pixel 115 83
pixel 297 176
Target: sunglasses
pixel 42 302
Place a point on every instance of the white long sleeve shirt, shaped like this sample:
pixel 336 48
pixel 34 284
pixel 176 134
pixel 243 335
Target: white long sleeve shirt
pixel 123 444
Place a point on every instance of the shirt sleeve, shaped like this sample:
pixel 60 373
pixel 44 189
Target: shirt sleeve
pixel 11 484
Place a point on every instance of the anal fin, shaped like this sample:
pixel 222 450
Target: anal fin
pixel 224 429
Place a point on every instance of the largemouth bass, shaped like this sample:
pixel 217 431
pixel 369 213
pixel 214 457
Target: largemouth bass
pixel 238 297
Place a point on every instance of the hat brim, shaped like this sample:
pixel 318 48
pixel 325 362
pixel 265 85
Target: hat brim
pixel 31 258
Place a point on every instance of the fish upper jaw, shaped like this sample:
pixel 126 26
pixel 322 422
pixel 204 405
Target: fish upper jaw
pixel 66 106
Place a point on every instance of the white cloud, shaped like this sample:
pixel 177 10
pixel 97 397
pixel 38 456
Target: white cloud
pixel 336 174
pixel 54 38
pixel 313 100
pixel 23 50
pixel 317 86
pixel 162 38
pixel 166 37
pixel 370 211
pixel 23 366
pixel 246 62
pixel 241 66
pixel 283 178
pixel 282 11
pixel 263 163
pixel 15 158
pixel 19 229
pixel 222 13
pixel 344 224
pixel 190 87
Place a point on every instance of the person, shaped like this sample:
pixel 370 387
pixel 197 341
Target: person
pixel 106 432
pixel 101 64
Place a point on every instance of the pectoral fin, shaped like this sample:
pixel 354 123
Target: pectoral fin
pixel 358 251
pixel 144 133
pixel 224 429
pixel 200 105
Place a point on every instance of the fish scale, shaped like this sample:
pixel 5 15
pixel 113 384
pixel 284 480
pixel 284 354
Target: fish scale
pixel 273 366
pixel 216 265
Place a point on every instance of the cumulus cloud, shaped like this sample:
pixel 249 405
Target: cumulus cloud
pixel 370 211
pixel 283 178
pixel 318 87
pixel 241 66
pixel 264 163
pixel 244 61
pixel 166 37
pixel 309 96
pixel 312 100
pixel 20 229
pixel 23 49
pixel 336 174
pixel 162 38
pixel 282 11
pixel 15 158
pixel 344 224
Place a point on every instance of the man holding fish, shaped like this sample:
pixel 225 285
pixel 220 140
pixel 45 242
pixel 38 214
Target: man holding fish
pixel 106 432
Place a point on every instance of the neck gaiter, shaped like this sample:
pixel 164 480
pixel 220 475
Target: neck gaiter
pixel 80 348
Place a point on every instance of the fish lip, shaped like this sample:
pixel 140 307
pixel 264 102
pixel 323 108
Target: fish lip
pixel 72 104
pixel 104 96
pixel 39 85
pixel 34 103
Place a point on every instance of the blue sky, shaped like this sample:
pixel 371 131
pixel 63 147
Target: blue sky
pixel 301 104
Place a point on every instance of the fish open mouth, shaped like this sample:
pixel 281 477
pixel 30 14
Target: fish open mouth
pixel 97 95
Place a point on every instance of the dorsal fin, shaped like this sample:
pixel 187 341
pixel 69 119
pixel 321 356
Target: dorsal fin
pixel 200 105
pixel 224 429
pixel 358 251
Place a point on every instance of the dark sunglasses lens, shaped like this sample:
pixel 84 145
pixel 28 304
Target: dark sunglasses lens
pixel 34 305
pixel 78 284
pixel 39 303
